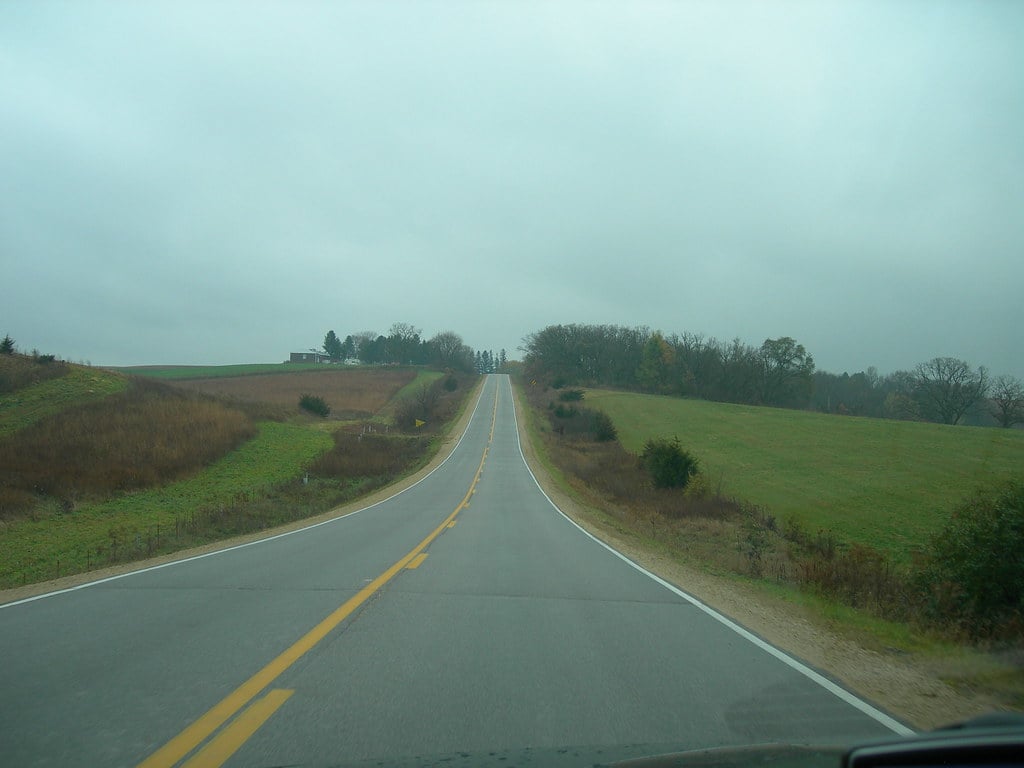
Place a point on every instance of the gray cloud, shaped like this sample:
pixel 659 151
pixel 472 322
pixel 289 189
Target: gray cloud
pixel 224 182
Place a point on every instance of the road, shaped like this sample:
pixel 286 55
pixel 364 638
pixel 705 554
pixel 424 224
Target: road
pixel 465 614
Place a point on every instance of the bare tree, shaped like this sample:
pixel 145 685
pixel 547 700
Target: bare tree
pixel 448 351
pixel 945 388
pixel 1007 398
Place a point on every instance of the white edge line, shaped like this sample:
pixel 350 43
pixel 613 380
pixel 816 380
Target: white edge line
pixel 258 541
pixel 838 691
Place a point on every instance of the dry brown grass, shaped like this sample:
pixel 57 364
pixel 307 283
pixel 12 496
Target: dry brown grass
pixel 147 435
pixel 369 455
pixel 17 371
pixel 350 393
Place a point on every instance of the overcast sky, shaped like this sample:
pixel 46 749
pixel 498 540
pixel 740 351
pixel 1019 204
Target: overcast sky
pixel 224 182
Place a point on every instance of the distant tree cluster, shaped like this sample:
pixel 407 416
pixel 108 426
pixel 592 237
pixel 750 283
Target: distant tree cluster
pixel 403 345
pixel 488 362
pixel 944 390
pixel 780 372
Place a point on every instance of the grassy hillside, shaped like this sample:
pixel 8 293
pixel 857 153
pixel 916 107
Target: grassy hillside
pixel 155 520
pixel 27 405
pixel 879 482
pixel 97 467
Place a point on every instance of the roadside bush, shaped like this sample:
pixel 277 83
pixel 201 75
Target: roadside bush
pixel 314 404
pixel 973 575
pixel 571 395
pixel 860 576
pixel 604 429
pixel 582 423
pixel 434 403
pixel 369 456
pixel 669 465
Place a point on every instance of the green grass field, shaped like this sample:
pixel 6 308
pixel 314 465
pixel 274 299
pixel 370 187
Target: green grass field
pixel 889 484
pixel 25 406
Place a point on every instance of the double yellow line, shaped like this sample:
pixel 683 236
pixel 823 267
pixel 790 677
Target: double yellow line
pixel 217 751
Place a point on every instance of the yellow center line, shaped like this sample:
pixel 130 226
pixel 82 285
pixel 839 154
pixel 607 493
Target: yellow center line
pixel 418 560
pixel 228 741
pixel 180 746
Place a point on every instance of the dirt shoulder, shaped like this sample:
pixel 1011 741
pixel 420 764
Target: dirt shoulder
pixel 68 582
pixel 906 687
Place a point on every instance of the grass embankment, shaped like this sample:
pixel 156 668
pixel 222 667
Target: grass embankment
pixel 161 519
pixel 886 484
pixel 98 468
pixel 27 405
pixel 875 491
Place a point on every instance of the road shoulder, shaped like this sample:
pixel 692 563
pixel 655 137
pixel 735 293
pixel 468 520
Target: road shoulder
pixel 909 688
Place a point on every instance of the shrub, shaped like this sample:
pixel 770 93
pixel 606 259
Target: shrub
pixel 668 464
pixel 571 395
pixel 314 404
pixel 604 429
pixel 368 456
pixel 974 572
pixel 434 403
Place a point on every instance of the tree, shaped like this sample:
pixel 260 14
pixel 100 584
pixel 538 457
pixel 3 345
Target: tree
pixel 786 372
pixel 7 345
pixel 485 362
pixel 1007 399
pixel 333 346
pixel 945 388
pixel 656 363
pixel 669 464
pixel 403 344
pixel 348 347
pixel 447 350
pixel 373 350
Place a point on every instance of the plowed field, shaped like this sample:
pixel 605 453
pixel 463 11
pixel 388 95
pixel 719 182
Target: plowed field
pixel 351 392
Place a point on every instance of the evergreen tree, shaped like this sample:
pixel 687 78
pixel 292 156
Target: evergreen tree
pixel 332 346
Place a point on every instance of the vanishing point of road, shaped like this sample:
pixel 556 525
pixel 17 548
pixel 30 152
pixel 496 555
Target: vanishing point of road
pixel 464 616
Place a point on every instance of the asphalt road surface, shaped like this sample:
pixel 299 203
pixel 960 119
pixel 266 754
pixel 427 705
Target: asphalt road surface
pixel 464 616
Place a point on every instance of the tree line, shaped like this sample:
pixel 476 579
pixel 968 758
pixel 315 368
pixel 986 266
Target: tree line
pixel 403 345
pixel 780 372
